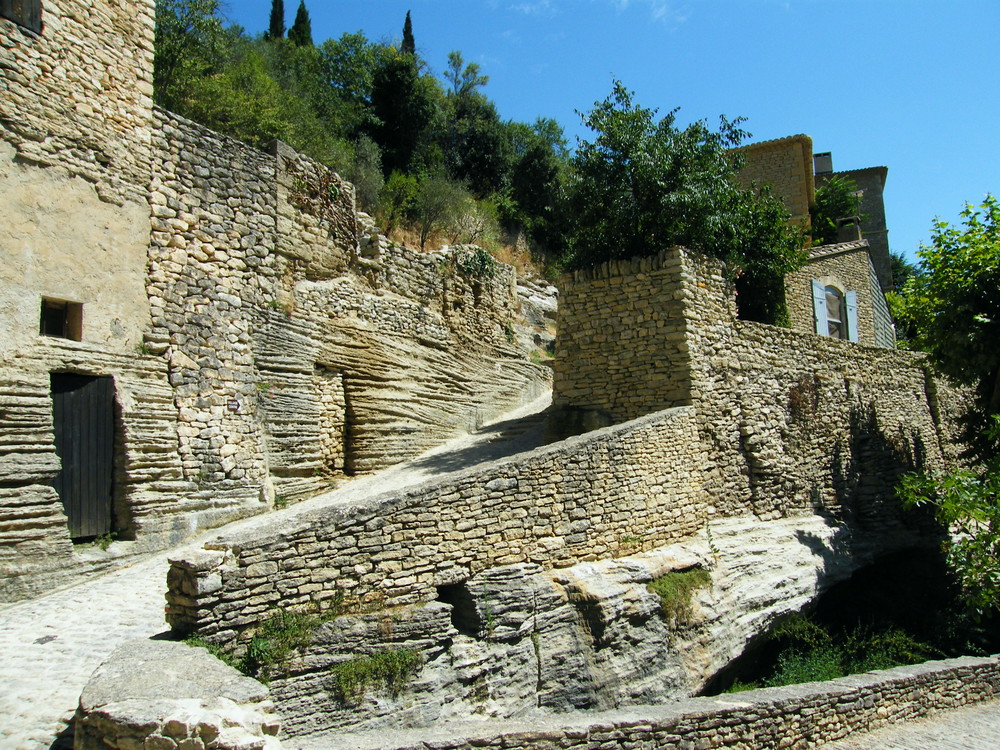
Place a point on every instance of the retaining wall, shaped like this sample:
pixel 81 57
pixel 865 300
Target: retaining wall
pixel 600 495
pixel 797 716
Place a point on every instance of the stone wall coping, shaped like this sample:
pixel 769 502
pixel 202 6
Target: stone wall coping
pixel 547 727
pixel 386 502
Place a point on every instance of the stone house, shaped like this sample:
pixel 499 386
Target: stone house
pixel 840 290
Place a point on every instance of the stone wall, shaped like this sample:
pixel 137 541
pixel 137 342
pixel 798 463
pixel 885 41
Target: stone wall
pixel 621 348
pixel 159 694
pixel 792 420
pixel 847 266
pixel 79 95
pixel 786 165
pixel 798 716
pixel 584 499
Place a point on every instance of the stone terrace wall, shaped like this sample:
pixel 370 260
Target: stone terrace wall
pixel 578 500
pixel 79 95
pixel 620 350
pixel 798 716
pixel 793 421
pixel 275 324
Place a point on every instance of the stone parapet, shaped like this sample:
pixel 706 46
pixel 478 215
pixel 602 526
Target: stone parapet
pixel 588 498
pixel 797 716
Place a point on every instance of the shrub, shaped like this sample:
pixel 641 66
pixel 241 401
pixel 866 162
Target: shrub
pixel 390 669
pixel 675 590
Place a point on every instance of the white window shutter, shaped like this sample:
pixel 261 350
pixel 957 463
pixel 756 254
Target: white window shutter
pixel 852 315
pixel 819 308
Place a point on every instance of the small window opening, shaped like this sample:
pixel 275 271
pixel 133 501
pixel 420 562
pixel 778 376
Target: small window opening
pixel 25 13
pixel 836 317
pixel 61 319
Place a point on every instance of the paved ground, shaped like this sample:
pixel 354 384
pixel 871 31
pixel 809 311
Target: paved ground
pixel 972 728
pixel 50 646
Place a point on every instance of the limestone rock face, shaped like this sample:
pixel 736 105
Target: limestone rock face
pixel 163 694
pixel 518 640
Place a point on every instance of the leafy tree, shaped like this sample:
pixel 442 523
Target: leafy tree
pixel 187 42
pixel 409 45
pixel 838 198
pixel 403 108
pixel 438 204
pixel 301 32
pixel 953 304
pixel 465 79
pixel 902 269
pixel 396 200
pixel 966 502
pixel 276 25
pixel 643 185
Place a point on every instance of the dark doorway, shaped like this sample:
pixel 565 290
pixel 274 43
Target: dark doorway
pixel 84 422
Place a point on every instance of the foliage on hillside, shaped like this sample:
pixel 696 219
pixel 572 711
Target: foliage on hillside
pixel 437 157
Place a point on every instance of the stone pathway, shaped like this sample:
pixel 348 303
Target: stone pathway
pixel 969 728
pixel 49 646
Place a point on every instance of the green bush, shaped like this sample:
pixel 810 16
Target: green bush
pixel 676 590
pixel 389 669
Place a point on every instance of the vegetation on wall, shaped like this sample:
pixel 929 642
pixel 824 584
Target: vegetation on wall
pixel 676 591
pixel 837 198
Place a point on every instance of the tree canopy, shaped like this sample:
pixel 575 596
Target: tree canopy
pixel 643 184
pixel 301 32
pixel 950 307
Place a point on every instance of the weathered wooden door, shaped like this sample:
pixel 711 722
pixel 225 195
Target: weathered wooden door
pixel 84 421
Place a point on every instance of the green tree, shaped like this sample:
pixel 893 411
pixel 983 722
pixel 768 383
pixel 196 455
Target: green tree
pixel 187 43
pixel 438 204
pixel 403 109
pixel 952 302
pixel 409 45
pixel 276 24
pixel 644 184
pixel 951 307
pixel 838 198
pixel 465 79
pixel 301 32
pixel 967 502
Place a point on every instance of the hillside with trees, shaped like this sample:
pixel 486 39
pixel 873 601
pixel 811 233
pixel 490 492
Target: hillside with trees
pixel 434 158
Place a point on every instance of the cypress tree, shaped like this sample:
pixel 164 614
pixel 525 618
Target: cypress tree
pixel 301 32
pixel 276 28
pixel 409 45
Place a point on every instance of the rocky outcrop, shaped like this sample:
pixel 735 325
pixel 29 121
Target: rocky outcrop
pixel 517 639
pixel 166 695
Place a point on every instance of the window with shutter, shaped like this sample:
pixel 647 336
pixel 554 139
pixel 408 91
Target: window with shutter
pixel 26 13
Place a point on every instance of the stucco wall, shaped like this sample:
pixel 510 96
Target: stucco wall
pixel 61 241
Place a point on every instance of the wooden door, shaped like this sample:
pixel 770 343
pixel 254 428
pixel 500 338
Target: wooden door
pixel 84 421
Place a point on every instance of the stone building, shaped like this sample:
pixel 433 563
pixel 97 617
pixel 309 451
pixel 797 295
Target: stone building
pixel 840 290
pixel 192 330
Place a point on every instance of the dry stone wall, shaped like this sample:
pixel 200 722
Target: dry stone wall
pixel 584 499
pixel 798 716
pixel 793 421
pixel 621 348
pixel 79 94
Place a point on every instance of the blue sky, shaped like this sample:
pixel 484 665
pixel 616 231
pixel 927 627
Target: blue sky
pixel 909 84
